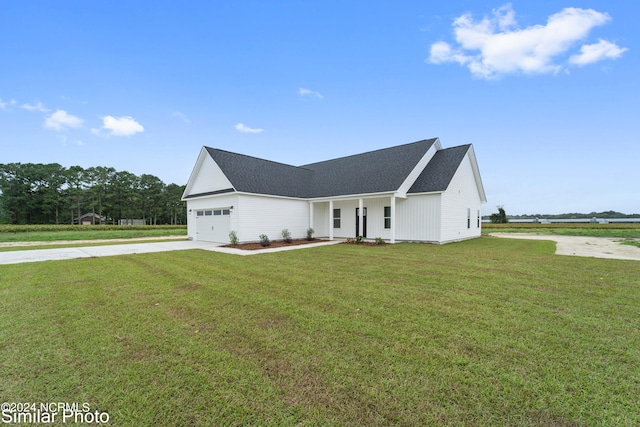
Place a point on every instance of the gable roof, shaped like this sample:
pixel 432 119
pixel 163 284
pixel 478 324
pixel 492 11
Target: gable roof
pixel 440 170
pixel 372 172
pixel 253 175
pixel 378 171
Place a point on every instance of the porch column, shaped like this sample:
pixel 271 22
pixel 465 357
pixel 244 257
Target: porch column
pixel 330 219
pixel 360 214
pixel 310 214
pixel 393 219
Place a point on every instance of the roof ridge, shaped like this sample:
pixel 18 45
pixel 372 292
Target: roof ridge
pixel 251 157
pixel 371 151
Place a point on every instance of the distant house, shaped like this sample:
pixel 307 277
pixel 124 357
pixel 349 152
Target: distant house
pixel 92 218
pixel 412 192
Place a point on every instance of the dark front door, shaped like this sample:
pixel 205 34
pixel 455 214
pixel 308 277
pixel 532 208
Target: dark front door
pixel 364 221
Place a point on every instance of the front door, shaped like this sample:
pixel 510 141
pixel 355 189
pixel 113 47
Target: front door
pixel 364 221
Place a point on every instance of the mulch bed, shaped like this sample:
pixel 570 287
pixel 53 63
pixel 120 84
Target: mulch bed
pixel 274 244
pixel 295 242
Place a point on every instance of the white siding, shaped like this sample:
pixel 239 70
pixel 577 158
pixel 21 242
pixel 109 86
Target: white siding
pixel 270 215
pixel 461 195
pixel 418 218
pixel 212 202
pixel 321 219
pixel 209 177
pixel 347 218
pixel 375 218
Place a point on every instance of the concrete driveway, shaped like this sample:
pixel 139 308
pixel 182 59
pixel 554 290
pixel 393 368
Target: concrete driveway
pixel 35 255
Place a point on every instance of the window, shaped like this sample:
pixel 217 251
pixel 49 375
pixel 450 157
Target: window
pixel 226 211
pixel 468 217
pixel 387 217
pixel 217 212
pixel 207 213
pixel 336 218
pixel 200 213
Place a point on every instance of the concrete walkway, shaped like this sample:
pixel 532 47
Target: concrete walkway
pixel 35 255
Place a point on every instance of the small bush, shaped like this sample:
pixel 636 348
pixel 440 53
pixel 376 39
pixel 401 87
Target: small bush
pixel 264 240
pixel 354 240
pixel 310 232
pixel 286 235
pixel 379 241
pixel 233 237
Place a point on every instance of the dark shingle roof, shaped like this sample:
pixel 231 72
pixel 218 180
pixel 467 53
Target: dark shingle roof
pixel 252 175
pixel 440 170
pixel 372 172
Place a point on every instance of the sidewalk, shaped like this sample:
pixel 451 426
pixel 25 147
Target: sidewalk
pixel 36 255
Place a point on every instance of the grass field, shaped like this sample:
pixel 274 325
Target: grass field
pixel 628 231
pixel 49 233
pixel 487 332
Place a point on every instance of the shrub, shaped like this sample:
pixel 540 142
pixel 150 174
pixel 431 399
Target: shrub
pixel 264 240
pixel 233 237
pixel 286 235
pixel 379 241
pixel 310 232
pixel 354 240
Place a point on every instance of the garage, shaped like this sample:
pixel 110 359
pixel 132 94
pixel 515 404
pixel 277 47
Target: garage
pixel 213 225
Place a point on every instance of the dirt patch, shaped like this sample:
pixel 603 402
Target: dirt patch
pixel 596 247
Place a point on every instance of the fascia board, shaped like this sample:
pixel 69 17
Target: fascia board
pixel 194 172
pixel 476 174
pixel 417 170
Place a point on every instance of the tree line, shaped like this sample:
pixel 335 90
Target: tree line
pixel 52 194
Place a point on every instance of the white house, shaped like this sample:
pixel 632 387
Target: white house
pixel 411 192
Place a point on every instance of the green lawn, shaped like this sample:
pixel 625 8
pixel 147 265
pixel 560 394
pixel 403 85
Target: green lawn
pixel 49 233
pixel 621 230
pixel 488 332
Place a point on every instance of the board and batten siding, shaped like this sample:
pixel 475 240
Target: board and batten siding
pixel 270 215
pixel 375 218
pixel 418 218
pixel 213 202
pixel 321 219
pixel 347 218
pixel 460 197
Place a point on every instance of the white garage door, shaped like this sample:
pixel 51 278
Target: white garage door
pixel 212 225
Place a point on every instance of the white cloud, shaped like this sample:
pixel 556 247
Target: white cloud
pixel 591 53
pixel 61 120
pixel 120 126
pixel 4 105
pixel 304 92
pixel 36 107
pixel 245 129
pixel 181 116
pixel 495 45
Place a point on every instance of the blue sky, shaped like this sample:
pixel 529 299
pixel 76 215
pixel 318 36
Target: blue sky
pixel 548 92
